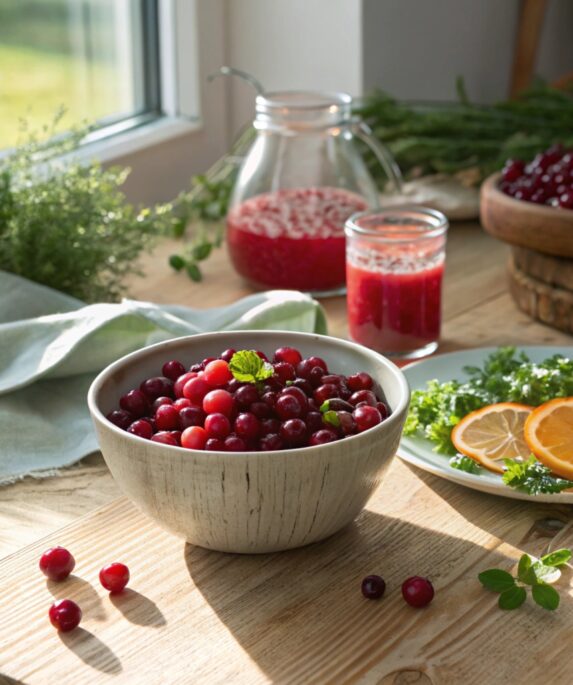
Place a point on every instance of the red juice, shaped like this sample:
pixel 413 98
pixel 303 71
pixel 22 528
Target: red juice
pixel 292 238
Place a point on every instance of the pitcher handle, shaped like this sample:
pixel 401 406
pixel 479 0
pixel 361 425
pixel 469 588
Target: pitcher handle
pixel 383 155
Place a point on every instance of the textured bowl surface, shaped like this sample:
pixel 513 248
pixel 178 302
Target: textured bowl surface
pixel 249 502
pixel 525 224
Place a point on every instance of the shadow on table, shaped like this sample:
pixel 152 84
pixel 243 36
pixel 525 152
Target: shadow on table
pixel 92 651
pixel 300 614
pixel 138 608
pixel 82 591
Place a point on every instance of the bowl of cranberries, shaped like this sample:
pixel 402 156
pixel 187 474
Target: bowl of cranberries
pixel 250 441
pixel 530 203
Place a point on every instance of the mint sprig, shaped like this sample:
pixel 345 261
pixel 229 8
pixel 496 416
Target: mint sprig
pixel 538 574
pixel 247 367
pixel 533 477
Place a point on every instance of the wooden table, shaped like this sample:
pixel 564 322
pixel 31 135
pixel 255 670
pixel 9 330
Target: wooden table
pixel 194 616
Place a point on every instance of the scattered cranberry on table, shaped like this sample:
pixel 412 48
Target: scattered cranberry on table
pixel 57 563
pixel 114 577
pixel 219 405
pixel 546 180
pixel 417 591
pixel 373 587
pixel 65 615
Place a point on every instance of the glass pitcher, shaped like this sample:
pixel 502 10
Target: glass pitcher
pixel 302 177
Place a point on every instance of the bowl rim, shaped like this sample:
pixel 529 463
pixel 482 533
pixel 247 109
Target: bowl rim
pixel 108 371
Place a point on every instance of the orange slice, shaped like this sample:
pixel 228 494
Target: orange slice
pixel 549 434
pixel 493 433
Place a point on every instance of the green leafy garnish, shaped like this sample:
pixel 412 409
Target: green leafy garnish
pixel 331 417
pixel 247 367
pixel 463 463
pixel 535 573
pixel 533 477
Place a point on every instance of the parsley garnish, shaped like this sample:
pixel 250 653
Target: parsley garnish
pixel 533 477
pixel 463 463
pixel 247 367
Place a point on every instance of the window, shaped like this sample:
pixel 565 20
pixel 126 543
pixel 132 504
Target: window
pixel 99 59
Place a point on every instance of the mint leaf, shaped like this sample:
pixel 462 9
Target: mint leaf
pixel 512 598
pixel 496 580
pixel 247 367
pixel 546 596
pixel 544 573
pixel 557 558
pixel 325 406
pixel 463 463
pixel 331 417
pixel 524 570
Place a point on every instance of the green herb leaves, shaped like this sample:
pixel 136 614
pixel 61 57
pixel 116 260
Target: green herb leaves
pixel 247 367
pixel 463 463
pixel 535 573
pixel 533 477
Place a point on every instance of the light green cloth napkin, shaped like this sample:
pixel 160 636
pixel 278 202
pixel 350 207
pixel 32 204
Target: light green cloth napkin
pixel 52 346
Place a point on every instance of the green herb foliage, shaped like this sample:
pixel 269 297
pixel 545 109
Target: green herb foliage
pixel 533 477
pixel 247 367
pixel 463 463
pixel 507 376
pixel 538 574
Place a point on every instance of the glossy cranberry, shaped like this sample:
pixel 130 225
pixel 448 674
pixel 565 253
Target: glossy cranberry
pixel 270 426
pixel 65 615
pixel 120 418
pixel 206 361
pixel 246 395
pixel 247 426
pixel 322 436
pixel 324 392
pixel 417 591
pixel 366 417
pixel 142 428
pixel 363 396
pixel 271 443
pixel 114 577
pixel 233 385
pixel 158 386
pixel 273 384
pixel 304 368
pixel 135 402
pixel 215 445
pixel 315 376
pixel 523 194
pixel 181 403
pixel 217 426
pixel 177 437
pixel 270 398
pixel 173 369
pixel 227 355
pixel 288 407
pixel 383 409
pixel 194 438
pixel 299 394
pixel 540 197
pixel 191 416
pixel 304 385
pixel 314 421
pixel 167 418
pixel 566 200
pixel 347 423
pixel 373 587
pixel 217 373
pixel 285 371
pixel 196 368
pixel 218 402
pixel 262 355
pixel 312 405
pixel 512 170
pixel 360 381
pixel 287 354
pixel 318 361
pixel 294 432
pixel 57 563
pixel 233 443
pixel 165 438
pixel 261 410
pixel 160 401
pixel 196 389
pixel 181 382
pixel 151 421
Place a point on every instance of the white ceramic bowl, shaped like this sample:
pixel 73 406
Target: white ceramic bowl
pixel 249 502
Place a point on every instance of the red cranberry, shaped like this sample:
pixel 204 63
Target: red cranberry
pixel 299 394
pixel 566 200
pixel 135 402
pixel 206 361
pixel 65 615
pixel 227 355
pixel 366 417
pixel 315 376
pixel 363 396
pixel 120 418
pixel 270 398
pixel 347 423
pixel 235 444
pixel 360 381
pixel 373 587
pixel 287 354
pixel 317 361
pixel 218 402
pixel 217 373
pixel 512 170
pixel 270 426
pixel 314 421
pixel 177 437
pixel 288 407
pixel 160 401
pixel 167 418
pixel 196 389
pixel 165 438
pixel 273 384
pixel 158 386
pixel 194 438
pixel 182 403
pixel 247 426
pixel 114 577
pixel 417 591
pixel 181 382
pixel 262 355
pixel 57 563
pixel 383 409
pixel 304 368
pixel 215 445
pixel 284 371
pixel 324 392
pixel 294 432
pixel 142 428
pixel 217 426
pixel 323 436
pixel 312 405
pixel 304 385
pixel 246 395
pixel 233 385
pixel 271 443
pixel 173 369
pixel 261 410
pixel 191 416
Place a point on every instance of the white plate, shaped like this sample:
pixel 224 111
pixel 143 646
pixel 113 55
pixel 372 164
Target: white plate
pixel 419 451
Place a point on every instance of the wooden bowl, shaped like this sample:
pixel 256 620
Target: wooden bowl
pixel 525 224
pixel 249 501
